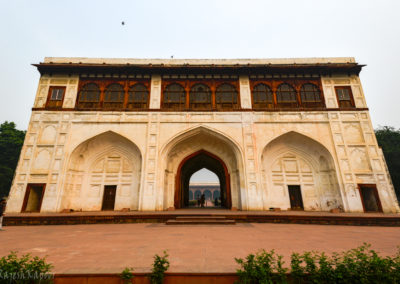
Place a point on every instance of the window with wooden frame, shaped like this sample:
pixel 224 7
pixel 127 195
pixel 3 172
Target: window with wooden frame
pixel 200 97
pixel 286 96
pixel 138 97
pixel 344 97
pixel 174 97
pixel 226 97
pixel 310 96
pixel 89 96
pixel 114 96
pixel 55 97
pixel 263 97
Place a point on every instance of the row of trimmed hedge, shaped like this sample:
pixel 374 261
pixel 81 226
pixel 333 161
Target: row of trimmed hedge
pixel 359 265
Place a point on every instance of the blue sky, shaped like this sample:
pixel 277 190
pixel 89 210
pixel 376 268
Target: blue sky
pixel 367 30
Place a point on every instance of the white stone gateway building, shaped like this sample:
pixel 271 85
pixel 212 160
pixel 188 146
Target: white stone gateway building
pixel 108 134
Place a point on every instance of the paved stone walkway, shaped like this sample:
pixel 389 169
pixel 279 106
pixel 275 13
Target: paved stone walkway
pixel 106 248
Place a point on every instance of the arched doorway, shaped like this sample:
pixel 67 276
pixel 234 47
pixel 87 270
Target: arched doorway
pixel 193 163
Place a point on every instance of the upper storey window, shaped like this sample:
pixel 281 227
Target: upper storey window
pixel 56 97
pixel 174 97
pixel 262 97
pixel 226 97
pixel 138 97
pixel 114 96
pixel 286 95
pixel 344 97
pixel 200 97
pixel 310 95
pixel 89 96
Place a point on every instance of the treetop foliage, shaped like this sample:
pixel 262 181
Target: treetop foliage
pixel 11 141
pixel 389 139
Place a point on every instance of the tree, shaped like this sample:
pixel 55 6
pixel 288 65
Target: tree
pixel 11 141
pixel 389 139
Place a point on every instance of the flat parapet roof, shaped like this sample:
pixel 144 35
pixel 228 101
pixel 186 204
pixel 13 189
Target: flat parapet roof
pixel 83 65
pixel 200 62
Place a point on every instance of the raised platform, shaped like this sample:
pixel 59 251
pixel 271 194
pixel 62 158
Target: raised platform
pixel 283 217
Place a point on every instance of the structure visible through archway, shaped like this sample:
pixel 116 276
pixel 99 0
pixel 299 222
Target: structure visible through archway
pixel 193 163
pixel 204 189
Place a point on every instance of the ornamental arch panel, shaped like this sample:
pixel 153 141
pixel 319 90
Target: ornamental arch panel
pixel 295 159
pixel 107 159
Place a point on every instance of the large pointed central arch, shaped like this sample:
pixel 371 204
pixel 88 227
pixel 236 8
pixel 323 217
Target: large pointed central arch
pixel 193 163
pixel 192 142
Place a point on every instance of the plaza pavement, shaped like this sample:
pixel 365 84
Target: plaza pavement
pixel 109 248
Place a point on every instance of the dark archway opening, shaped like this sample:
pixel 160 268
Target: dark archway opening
pixel 193 163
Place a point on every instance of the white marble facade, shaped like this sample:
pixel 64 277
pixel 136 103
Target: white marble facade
pixel 77 153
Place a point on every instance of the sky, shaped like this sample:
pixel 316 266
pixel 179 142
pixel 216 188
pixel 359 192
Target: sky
pixel 367 30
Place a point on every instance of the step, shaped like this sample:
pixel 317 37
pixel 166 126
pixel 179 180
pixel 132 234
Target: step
pixel 200 222
pixel 199 217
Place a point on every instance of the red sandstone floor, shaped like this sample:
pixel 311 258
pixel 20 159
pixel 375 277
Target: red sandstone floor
pixel 108 248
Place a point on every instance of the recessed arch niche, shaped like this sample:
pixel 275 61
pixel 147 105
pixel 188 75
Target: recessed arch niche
pixel 106 159
pixel 295 159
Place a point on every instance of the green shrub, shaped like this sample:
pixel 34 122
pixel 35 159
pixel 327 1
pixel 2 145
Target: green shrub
pixel 364 265
pixel 24 269
pixel 127 275
pixel 263 267
pixel 359 265
pixel 160 265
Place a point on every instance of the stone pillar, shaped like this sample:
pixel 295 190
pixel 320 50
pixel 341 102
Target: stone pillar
pixel 148 194
pixel 329 93
pixel 245 93
pixel 155 92
pixel 253 187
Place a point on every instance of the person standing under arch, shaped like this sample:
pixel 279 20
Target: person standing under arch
pixel 203 200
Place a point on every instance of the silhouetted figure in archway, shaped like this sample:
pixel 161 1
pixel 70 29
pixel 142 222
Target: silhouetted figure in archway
pixel 216 202
pixel 3 203
pixel 203 200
